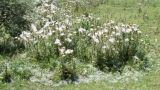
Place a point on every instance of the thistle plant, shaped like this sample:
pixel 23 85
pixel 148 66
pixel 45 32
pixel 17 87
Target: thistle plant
pixel 109 46
pixel 117 44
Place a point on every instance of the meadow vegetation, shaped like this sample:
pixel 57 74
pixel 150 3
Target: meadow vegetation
pixel 64 44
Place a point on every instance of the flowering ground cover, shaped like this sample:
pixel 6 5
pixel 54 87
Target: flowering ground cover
pixel 86 44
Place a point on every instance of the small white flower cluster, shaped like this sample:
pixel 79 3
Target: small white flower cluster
pixel 81 30
pixel 64 51
pixel 48 21
pixel 112 33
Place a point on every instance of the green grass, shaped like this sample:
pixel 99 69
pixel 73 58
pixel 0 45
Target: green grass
pixel 149 21
pixel 149 82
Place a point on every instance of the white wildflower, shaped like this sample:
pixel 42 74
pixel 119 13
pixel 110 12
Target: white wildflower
pixel 105 30
pixel 69 51
pixel 113 33
pixel 70 34
pixel 91 29
pixel 156 40
pixel 126 40
pixel 117 28
pixel 104 47
pixel 123 30
pixel 47 24
pixel 68 22
pixel 40 31
pixel 135 57
pixel 96 33
pixel 50 33
pixel 33 27
pixel 61 28
pixel 118 34
pixel 57 42
pixel 95 39
pixel 25 35
pixel 46 5
pixel 98 18
pixel 112 40
pixel 106 36
pixel 112 22
pixel 100 33
pixel 135 29
pixel 62 34
pixel 104 24
pixel 89 34
pixel 62 50
pixel 53 6
pixel 81 30
pixel 68 40
pixel 128 30
pixel 139 32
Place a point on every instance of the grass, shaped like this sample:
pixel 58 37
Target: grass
pixel 146 83
pixel 148 19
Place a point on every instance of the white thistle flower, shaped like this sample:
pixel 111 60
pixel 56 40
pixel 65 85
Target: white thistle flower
pixel 57 42
pixel 100 33
pixel 128 30
pixel 33 27
pixel 105 30
pixel 104 47
pixel 123 30
pixel 156 40
pixel 98 18
pixel 27 34
pixel 91 29
pixel 117 28
pixel 139 32
pixel 141 40
pixel 53 7
pixel 23 38
pixel 40 32
pixel 62 34
pixel 68 40
pixel 70 34
pixel 50 33
pixel 69 51
pixel 118 34
pixel 112 40
pixel 113 33
pixel 62 50
pixel 135 57
pixel 68 22
pixel 60 29
pixel 47 24
pixel 126 40
pixel 95 39
pixel 135 29
pixel 81 30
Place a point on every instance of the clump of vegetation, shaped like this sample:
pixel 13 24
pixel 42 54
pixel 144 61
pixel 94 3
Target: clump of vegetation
pixel 57 39
pixel 119 46
pixel 12 23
